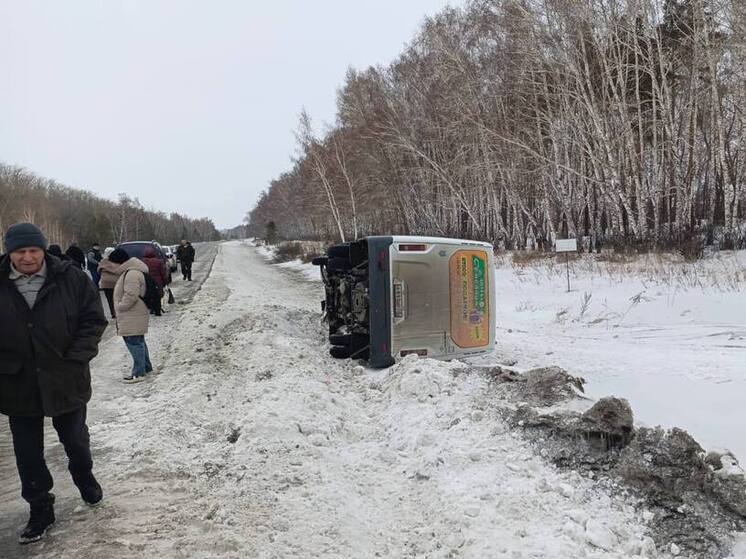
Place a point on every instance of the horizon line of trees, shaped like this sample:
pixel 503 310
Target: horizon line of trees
pixel 68 215
pixel 522 121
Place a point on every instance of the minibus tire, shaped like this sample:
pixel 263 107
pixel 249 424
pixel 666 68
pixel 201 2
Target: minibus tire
pixel 339 251
pixel 339 352
pixel 338 264
pixel 340 339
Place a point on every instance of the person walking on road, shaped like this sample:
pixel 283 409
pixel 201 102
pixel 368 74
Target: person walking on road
pixel 132 313
pixel 109 274
pixel 185 254
pixel 51 322
pixel 93 258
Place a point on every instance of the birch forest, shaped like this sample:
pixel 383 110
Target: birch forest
pixel 518 122
pixel 68 215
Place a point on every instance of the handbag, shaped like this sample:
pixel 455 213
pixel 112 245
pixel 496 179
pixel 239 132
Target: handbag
pixel 171 299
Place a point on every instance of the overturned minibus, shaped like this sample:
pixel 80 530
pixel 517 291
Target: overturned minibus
pixel 389 296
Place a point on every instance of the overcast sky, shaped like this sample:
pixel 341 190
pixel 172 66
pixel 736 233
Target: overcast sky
pixel 188 105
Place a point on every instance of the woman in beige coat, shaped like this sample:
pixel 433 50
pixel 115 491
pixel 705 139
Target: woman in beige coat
pixel 132 313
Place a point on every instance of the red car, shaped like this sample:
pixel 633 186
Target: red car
pixel 158 263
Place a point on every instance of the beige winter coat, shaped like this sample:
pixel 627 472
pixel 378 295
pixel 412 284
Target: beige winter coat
pixel 132 314
pixel 109 273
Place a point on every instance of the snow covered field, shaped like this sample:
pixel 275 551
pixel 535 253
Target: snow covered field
pixel 668 336
pixel 252 442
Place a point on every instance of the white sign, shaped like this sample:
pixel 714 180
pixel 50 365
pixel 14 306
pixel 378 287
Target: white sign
pixel 566 245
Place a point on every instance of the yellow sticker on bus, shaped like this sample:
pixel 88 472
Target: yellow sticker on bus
pixel 470 304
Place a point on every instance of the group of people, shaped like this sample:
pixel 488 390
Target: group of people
pixel 109 271
pixel 104 272
pixel 51 322
pixel 74 253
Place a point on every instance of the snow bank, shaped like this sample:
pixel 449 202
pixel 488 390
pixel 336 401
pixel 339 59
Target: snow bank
pixel 447 434
pixel 668 336
pixel 695 502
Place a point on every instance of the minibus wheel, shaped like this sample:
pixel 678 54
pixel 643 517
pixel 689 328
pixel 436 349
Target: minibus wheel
pixel 340 339
pixel 339 251
pixel 339 352
pixel 338 264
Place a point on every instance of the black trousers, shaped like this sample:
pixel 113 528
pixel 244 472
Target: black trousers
pixel 109 292
pixel 159 304
pixel 28 444
pixel 186 270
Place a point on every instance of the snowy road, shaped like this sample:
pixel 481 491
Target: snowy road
pixel 251 442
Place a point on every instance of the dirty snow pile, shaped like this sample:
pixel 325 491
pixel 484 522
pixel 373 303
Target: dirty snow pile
pixel 695 501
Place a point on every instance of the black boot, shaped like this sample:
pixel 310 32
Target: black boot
pixel 41 518
pixel 90 490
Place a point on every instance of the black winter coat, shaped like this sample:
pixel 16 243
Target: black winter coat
pixel 44 351
pixel 185 253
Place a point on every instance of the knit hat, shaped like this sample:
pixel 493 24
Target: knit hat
pixel 55 250
pixel 119 256
pixel 23 235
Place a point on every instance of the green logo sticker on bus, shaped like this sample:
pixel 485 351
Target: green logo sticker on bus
pixel 469 298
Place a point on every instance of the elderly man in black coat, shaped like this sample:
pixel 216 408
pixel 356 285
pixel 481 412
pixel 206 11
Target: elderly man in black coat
pixel 51 321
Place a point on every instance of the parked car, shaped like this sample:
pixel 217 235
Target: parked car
pixel 137 249
pixel 386 297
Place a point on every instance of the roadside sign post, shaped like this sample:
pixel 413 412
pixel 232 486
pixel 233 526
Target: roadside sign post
pixel 567 246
